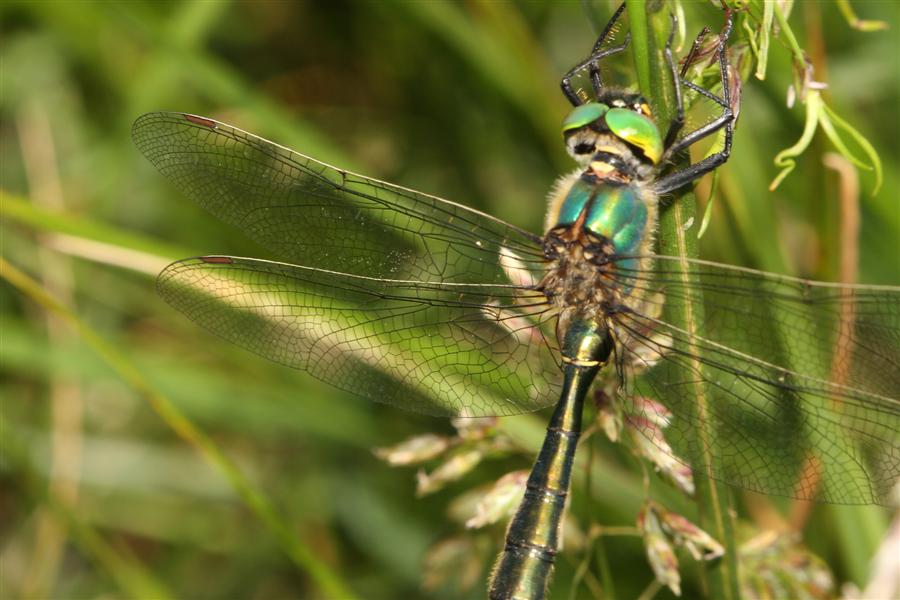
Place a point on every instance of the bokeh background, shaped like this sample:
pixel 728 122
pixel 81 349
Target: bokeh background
pixel 102 498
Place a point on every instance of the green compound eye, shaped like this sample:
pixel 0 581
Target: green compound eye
pixel 637 130
pixel 584 115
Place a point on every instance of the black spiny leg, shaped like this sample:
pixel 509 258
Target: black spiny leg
pixel 592 62
pixel 677 179
pixel 678 120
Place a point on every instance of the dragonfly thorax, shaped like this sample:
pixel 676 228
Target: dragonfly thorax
pixel 598 230
pixel 578 270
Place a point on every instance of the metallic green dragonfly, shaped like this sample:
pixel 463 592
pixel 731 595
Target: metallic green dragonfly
pixel 415 301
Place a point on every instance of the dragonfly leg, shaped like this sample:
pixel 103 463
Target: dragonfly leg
pixel 677 122
pixel 592 63
pixel 679 178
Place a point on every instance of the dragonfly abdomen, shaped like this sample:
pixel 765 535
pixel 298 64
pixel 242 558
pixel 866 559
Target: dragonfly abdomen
pixel 532 540
pixel 534 532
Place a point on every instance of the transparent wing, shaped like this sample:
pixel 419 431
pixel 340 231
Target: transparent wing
pixel 788 387
pixel 440 349
pixel 606 61
pixel 309 213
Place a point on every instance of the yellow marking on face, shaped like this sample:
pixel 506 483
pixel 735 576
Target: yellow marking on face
pixel 601 168
pixel 645 110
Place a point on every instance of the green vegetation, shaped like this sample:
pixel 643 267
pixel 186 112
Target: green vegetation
pixel 143 457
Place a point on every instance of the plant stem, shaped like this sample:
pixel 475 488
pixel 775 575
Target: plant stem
pixel 640 43
pixel 676 217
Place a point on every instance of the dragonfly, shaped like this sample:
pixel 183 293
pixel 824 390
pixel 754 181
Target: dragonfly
pixel 408 299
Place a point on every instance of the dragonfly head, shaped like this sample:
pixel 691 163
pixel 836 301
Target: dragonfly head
pixel 621 125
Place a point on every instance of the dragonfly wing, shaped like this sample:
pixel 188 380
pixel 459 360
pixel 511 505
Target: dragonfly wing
pixel 310 213
pixel 440 349
pixel 788 387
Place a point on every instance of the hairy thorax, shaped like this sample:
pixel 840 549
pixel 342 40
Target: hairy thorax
pixel 577 275
pixel 597 265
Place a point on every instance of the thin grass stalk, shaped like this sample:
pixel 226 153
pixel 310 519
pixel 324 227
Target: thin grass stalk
pixel 650 26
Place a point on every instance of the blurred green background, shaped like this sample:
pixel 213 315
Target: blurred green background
pixel 101 498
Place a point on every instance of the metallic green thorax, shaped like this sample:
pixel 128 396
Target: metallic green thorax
pixel 524 568
pixel 616 212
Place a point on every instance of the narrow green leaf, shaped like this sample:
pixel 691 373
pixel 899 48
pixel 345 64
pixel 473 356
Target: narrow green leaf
pixel 18 209
pixel 785 158
pixel 861 140
pixel 857 23
pixel 762 58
